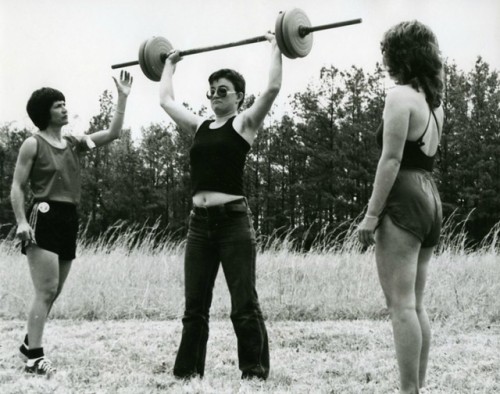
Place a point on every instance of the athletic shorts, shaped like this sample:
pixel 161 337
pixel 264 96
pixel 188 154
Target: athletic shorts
pixel 414 205
pixel 56 227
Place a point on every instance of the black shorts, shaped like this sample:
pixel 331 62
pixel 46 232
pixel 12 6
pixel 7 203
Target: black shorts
pixel 414 205
pixel 56 227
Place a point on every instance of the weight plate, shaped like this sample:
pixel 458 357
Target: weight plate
pixel 142 62
pixel 278 32
pixel 297 46
pixel 153 51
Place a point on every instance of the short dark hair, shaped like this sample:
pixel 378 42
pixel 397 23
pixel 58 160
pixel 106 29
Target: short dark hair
pixel 412 56
pixel 234 76
pixel 39 105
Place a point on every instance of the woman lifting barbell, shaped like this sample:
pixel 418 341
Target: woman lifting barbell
pixel 220 224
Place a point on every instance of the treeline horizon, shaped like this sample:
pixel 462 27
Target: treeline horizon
pixel 309 174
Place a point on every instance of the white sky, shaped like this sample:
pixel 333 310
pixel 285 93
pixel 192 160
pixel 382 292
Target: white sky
pixel 71 44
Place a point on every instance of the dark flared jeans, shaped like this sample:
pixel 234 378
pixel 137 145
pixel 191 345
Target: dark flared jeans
pixel 222 235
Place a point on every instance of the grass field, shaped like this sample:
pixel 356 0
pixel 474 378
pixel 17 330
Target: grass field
pixel 117 325
pixel 134 356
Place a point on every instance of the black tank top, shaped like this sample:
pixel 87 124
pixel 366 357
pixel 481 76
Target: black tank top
pixel 217 159
pixel 413 157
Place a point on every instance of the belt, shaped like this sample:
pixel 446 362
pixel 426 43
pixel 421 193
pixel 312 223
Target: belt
pixel 239 205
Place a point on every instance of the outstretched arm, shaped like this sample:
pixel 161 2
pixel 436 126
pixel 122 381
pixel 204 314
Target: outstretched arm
pixel 185 119
pixel 123 86
pixel 252 118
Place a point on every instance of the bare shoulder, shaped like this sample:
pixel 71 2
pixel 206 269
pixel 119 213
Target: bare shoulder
pixel 405 98
pixel 439 110
pixel 239 122
pixel 402 92
pixel 439 113
pixel 243 126
pixel 29 146
pixel 76 137
pixel 398 99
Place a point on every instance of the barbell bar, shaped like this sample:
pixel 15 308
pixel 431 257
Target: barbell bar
pixel 293 36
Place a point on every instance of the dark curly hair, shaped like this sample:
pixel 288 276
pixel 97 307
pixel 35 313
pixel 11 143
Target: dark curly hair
pixel 412 56
pixel 234 76
pixel 39 105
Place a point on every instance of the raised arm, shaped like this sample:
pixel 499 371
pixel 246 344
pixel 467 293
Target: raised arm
pixel 252 118
pixel 184 118
pixel 17 194
pixel 123 86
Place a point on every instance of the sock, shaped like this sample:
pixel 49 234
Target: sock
pixel 24 346
pixel 33 355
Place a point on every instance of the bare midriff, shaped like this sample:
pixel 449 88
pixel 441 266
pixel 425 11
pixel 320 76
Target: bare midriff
pixel 208 199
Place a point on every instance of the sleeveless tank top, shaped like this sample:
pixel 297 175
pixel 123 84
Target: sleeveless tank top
pixel 217 158
pixel 55 174
pixel 413 157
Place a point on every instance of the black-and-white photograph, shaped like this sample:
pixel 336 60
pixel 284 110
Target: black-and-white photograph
pixel 249 196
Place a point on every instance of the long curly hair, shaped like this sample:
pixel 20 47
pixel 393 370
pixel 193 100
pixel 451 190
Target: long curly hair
pixel 412 56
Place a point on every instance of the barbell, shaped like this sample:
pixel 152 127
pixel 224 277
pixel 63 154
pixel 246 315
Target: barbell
pixel 293 36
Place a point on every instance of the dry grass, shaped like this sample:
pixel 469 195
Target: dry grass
pixel 117 324
pixel 307 357
pixel 117 282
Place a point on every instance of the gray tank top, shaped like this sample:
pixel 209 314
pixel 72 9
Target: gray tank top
pixel 55 173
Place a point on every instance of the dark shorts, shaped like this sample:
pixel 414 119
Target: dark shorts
pixel 56 227
pixel 414 205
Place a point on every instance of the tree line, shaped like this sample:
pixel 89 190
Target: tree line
pixel 309 173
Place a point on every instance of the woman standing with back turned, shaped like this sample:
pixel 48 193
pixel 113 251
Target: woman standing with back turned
pixel 405 208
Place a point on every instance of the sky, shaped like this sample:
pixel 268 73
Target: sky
pixel 70 45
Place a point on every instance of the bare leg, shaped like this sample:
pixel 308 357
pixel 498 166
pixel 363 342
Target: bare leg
pixel 423 263
pixel 397 261
pixel 44 270
pixel 64 268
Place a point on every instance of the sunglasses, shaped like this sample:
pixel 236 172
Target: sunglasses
pixel 221 92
